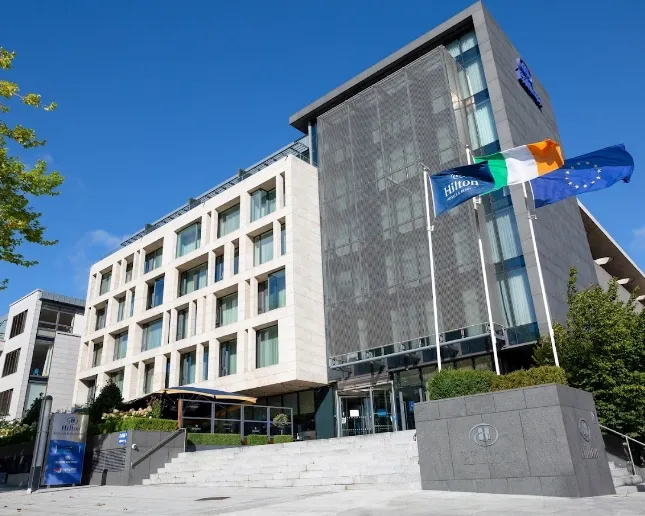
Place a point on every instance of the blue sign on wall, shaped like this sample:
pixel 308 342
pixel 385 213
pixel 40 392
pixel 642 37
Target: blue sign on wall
pixel 122 438
pixel 526 80
pixel 66 450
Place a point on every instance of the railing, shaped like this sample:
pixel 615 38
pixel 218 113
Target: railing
pixel 158 446
pixel 627 439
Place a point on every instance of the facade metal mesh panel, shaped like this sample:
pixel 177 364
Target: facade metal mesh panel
pixel 375 246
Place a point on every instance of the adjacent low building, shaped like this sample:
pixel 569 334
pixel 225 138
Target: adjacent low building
pixel 40 351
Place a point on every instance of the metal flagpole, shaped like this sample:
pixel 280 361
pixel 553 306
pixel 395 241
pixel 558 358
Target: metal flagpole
pixel 541 278
pixel 435 311
pixel 477 202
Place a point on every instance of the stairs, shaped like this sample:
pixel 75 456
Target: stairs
pixel 380 460
pixel 624 481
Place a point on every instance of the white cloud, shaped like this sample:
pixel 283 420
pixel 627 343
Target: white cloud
pixel 100 237
pixel 638 238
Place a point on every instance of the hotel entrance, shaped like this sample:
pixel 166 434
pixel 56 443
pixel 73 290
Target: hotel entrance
pixel 366 410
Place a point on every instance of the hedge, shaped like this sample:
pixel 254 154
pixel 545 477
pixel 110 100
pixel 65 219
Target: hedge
pixel 277 439
pixel 108 426
pixel 530 377
pixel 256 440
pixel 451 383
pixel 215 439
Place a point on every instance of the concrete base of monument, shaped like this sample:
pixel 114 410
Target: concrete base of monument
pixel 542 440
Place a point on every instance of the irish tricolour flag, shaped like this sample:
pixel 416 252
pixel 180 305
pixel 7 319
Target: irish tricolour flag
pixel 520 164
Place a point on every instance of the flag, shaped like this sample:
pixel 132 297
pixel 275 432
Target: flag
pixel 587 173
pixel 456 185
pixel 520 164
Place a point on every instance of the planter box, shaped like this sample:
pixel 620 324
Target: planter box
pixel 542 440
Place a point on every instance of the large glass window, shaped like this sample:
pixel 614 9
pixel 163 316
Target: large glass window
pixel 515 292
pixel 97 352
pixel 219 268
pixel 263 248
pixel 100 319
pixel 117 379
pixel 148 377
pixel 120 309
pixel 5 401
pixel 272 293
pixel 189 239
pixel 128 272
pixel 155 293
pixel 226 310
pixel 153 260
pixel 132 302
pixel 187 368
pixel 267 347
pixel 18 324
pixel 503 235
pixel 283 238
pixel 205 363
pixel 152 334
pixel 262 203
pixel 182 324
pixel 56 318
pixel 193 279
pixel 11 362
pixel 228 221
pixel 236 260
pixel 91 390
pixel 105 283
pixel 228 358
pixel 120 345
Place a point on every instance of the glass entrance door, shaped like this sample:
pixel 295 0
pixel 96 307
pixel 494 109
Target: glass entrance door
pixel 356 414
pixel 368 410
pixel 408 396
pixel 384 416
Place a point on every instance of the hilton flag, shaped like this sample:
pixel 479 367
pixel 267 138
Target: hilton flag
pixel 456 185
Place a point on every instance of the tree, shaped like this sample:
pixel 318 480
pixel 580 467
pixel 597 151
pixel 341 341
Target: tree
pixel 19 222
pixel 33 414
pixel 108 399
pixel 602 350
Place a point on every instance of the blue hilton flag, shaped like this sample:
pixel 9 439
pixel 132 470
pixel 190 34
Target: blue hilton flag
pixel 456 185
pixel 587 173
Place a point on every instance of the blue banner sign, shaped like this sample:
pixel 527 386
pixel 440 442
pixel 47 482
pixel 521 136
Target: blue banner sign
pixel 455 186
pixel 526 80
pixel 122 439
pixel 66 450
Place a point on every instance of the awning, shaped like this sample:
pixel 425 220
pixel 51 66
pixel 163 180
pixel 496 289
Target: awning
pixel 198 391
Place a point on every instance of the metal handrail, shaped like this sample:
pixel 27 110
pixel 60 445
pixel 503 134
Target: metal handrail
pixel 627 439
pixel 158 446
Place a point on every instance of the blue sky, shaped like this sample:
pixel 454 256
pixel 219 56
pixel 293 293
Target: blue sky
pixel 159 101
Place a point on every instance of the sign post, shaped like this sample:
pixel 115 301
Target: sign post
pixel 66 449
pixel 36 472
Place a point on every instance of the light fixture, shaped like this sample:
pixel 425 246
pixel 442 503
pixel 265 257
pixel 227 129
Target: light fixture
pixel 603 261
pixel 624 281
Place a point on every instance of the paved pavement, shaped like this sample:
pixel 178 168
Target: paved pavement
pixel 201 501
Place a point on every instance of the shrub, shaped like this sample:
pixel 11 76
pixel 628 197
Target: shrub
pixel 215 439
pixel 281 421
pixel 450 383
pixel 256 440
pixel 14 432
pixel 33 414
pixel 137 423
pixel 527 378
pixel 156 408
pixel 125 414
pixel 108 399
pixel 282 439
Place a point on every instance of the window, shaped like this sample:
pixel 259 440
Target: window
pixel 100 319
pixel 41 358
pixel 192 279
pixel 226 310
pixel 155 293
pixel 272 292
pixel 219 268
pixel 182 324
pixel 228 221
pixel 148 377
pixel 96 354
pixel 187 368
pixel 228 358
pixel 18 324
pixel 283 239
pixel 56 318
pixel 91 390
pixel 263 248
pixel 236 260
pixel 35 390
pixel 132 302
pixel 153 260
pixel 120 345
pixel 166 378
pixel 262 203
pixel 105 283
pixel 189 239
pixel 11 362
pixel 266 347
pixel 152 334
pixel 205 363
pixel 128 272
pixel 5 402
pixel 120 309
pixel 117 379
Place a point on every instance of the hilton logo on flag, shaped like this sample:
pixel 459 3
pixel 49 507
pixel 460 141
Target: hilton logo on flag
pixel 450 188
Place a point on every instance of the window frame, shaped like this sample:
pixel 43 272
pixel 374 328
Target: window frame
pixel 95 362
pixel 151 258
pixel 11 360
pixel 120 347
pixel 226 347
pixel 265 291
pixel 145 334
pixel 257 248
pixel 187 275
pixel 107 275
pixel 218 309
pixel 197 226
pixel 17 324
pixel 5 401
pixel 224 214
pixel 257 345
pixel 152 292
pixel 266 204
pixel 100 318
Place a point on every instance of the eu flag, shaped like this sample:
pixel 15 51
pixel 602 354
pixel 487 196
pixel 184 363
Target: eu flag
pixel 587 173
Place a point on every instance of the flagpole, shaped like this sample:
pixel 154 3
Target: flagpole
pixel 541 278
pixel 477 201
pixel 435 311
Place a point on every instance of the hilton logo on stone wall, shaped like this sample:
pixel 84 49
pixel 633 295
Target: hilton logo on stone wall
pixel 484 434
pixel 588 451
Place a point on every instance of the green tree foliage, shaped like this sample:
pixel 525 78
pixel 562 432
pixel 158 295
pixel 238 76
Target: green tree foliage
pixel 33 413
pixel 449 383
pixel 19 222
pixel 108 399
pixel 602 350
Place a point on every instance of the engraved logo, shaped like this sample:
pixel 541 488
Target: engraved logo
pixel 484 434
pixel 584 429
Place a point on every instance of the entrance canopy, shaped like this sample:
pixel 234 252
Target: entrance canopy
pixel 196 393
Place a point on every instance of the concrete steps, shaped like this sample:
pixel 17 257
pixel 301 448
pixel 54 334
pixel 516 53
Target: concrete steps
pixel 361 462
pixel 624 481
